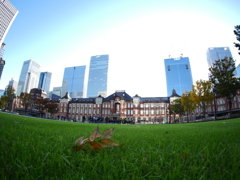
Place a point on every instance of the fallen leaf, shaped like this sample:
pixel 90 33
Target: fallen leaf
pixel 79 140
pixel 95 145
pixel 107 134
pixel 109 143
pixel 78 148
pixel 95 134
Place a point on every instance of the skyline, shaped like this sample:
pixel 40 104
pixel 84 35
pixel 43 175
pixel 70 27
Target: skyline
pixel 137 35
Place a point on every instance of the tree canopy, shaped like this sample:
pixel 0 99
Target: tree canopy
pixel 237 33
pixel 225 82
pixel 10 94
pixel 177 107
pixel 188 103
pixel 202 94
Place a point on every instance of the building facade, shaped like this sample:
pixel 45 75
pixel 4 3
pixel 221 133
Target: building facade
pixel 8 14
pixel 178 75
pixel 118 106
pixel 14 84
pixel 29 76
pixel 56 93
pixel 216 53
pixel 2 64
pixel 73 81
pixel 45 81
pixel 98 76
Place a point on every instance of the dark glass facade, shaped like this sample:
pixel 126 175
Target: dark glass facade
pixel 98 76
pixel 178 75
pixel 44 81
pixel 73 81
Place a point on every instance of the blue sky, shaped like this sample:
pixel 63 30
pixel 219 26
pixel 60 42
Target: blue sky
pixel 137 34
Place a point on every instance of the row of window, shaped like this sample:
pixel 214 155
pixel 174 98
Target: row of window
pixel 107 111
pixel 127 105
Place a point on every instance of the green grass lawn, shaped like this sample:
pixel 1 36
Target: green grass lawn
pixel 32 148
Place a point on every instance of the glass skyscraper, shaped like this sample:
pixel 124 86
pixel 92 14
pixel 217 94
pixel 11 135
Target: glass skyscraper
pixel 8 13
pixel 216 53
pixel 29 76
pixel 14 84
pixel 98 76
pixel 44 81
pixel 73 81
pixel 178 75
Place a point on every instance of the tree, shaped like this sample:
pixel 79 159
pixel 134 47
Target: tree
pixel 223 78
pixel 237 33
pixel 26 100
pixel 202 94
pixel 178 108
pixel 10 94
pixel 52 107
pixel 40 104
pixel 188 103
pixel 3 102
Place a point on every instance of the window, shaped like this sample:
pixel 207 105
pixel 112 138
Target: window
pixel 152 111
pixel 136 111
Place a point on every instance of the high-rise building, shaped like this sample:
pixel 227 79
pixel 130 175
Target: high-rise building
pixel 14 84
pixel 2 63
pixel 73 81
pixel 98 76
pixel 44 81
pixel 29 76
pixel 56 92
pixel 1 92
pixel 8 14
pixel 216 53
pixel 238 70
pixel 178 75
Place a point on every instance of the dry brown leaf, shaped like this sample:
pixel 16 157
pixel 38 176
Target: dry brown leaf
pixel 95 145
pixel 95 134
pixel 79 140
pixel 107 134
pixel 85 141
pixel 109 143
pixel 78 148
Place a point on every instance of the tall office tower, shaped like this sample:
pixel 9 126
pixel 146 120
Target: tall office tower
pixel 44 81
pixel 73 81
pixel 8 14
pixel 1 92
pixel 2 63
pixel 98 76
pixel 216 53
pixel 238 70
pixel 14 84
pixel 56 92
pixel 29 76
pixel 178 75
